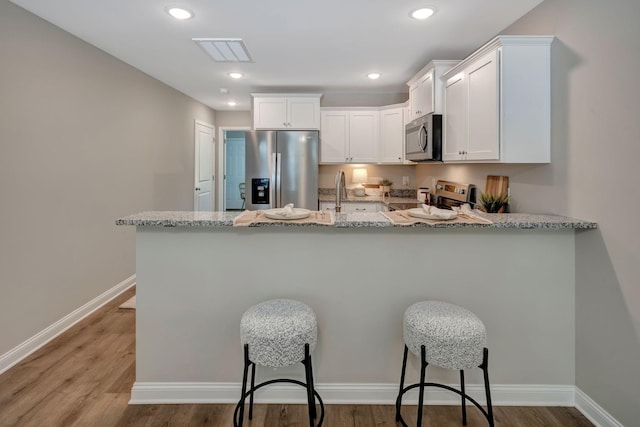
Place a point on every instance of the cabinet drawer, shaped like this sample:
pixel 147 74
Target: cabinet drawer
pixel 352 207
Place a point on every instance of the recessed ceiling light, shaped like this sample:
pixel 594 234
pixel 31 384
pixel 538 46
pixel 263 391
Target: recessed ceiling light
pixel 179 13
pixel 422 13
pixel 231 103
pixel 236 75
pixel 374 76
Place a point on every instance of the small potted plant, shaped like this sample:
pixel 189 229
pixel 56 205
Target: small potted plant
pixel 385 186
pixel 493 203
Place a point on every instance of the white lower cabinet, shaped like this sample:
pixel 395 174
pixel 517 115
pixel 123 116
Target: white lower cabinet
pixel 353 207
pixel 497 103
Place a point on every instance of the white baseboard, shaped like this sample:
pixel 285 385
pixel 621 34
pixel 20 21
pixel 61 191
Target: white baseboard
pixel 18 353
pixel 594 412
pixel 333 393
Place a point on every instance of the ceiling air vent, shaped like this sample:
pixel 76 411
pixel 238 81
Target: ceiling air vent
pixel 225 50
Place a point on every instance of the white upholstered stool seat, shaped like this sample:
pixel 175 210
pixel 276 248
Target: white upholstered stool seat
pixel 448 336
pixel 275 334
pixel 453 337
pixel 277 331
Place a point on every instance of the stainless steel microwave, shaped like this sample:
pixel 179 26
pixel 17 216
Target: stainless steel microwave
pixel 423 139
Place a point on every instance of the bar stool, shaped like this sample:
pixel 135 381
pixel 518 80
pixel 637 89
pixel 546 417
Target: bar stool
pixel 448 336
pixel 278 333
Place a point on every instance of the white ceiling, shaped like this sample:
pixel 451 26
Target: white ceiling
pixel 325 46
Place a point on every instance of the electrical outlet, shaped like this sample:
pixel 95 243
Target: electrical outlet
pixel 405 181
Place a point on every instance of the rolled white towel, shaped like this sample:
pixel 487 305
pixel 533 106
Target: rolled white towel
pixel 439 213
pixel 287 210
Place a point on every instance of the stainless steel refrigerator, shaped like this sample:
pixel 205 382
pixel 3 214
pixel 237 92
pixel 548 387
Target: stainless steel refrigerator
pixel 281 167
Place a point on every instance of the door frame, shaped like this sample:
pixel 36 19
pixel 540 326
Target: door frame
pixel 221 153
pixel 195 160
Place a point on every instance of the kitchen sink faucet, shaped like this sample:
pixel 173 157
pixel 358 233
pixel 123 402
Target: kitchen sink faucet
pixel 341 189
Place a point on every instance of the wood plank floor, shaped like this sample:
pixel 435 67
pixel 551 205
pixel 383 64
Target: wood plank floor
pixel 84 378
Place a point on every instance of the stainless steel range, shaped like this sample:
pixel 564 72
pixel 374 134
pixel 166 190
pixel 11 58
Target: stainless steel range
pixel 448 194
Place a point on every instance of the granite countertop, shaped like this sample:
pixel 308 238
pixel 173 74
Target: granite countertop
pixel 351 220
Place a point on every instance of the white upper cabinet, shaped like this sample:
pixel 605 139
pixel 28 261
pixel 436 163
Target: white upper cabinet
pixel 497 103
pixel 334 136
pixel 425 89
pixel 456 123
pixel 421 96
pixel 483 109
pixel 290 111
pixel 363 136
pixel 348 136
pixel 391 142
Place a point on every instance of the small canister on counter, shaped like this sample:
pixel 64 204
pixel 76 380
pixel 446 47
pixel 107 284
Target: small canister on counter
pixel 424 196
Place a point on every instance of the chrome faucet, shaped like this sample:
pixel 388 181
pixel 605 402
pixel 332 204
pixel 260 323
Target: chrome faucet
pixel 341 189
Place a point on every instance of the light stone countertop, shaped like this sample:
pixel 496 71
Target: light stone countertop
pixel 351 220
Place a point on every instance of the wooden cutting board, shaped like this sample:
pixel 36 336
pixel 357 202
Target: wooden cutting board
pixel 497 185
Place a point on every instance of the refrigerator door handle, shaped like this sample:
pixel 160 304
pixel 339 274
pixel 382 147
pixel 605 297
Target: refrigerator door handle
pixel 279 179
pixel 272 188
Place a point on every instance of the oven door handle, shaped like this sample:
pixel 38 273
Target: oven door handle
pixel 422 142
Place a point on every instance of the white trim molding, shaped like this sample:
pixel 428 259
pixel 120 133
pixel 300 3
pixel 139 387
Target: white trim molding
pixel 594 412
pixel 336 393
pixel 21 351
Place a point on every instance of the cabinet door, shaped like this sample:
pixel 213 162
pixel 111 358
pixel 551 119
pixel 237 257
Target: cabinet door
pixel 327 206
pixel 355 207
pixel 270 113
pixel 421 96
pixel 456 121
pixel 363 136
pixel 391 146
pixel 426 94
pixel 406 111
pixel 334 134
pixel 414 100
pixel 303 113
pixel 483 109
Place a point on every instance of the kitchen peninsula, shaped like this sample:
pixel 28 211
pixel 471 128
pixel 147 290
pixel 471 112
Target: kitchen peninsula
pixel 197 274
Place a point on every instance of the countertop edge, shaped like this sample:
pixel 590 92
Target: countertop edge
pixel 350 220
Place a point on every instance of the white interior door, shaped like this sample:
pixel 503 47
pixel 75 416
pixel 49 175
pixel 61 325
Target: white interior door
pixel 234 169
pixel 204 167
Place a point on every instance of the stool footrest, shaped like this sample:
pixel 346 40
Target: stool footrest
pixel 454 390
pixel 279 380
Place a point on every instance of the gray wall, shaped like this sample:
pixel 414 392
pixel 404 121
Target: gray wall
pixel 84 139
pixel 595 134
pixel 233 118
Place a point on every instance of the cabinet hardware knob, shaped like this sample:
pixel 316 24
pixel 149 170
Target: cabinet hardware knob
pixel 197 188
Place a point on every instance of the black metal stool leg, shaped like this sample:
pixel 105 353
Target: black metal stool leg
pixel 310 397
pixel 464 402
pixel 313 388
pixel 244 383
pixel 404 369
pixel 423 368
pixel 253 384
pixel 485 370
